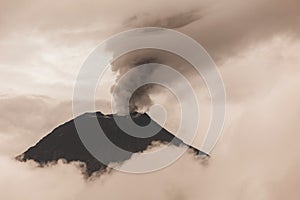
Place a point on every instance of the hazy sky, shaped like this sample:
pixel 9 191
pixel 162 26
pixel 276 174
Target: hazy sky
pixel 255 45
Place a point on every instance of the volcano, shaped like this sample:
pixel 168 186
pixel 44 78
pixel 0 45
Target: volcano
pixel 64 142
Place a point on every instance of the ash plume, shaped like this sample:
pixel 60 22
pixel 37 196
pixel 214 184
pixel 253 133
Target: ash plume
pixel 140 100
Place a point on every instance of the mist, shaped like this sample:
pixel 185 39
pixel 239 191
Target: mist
pixel 256 47
pixel 256 157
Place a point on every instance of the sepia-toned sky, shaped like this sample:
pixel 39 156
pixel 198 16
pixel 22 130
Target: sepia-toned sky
pixel 256 45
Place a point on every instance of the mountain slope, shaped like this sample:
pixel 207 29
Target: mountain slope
pixel 64 143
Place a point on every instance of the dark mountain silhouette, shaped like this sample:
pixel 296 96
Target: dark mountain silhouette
pixel 64 142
